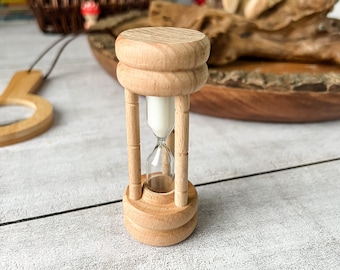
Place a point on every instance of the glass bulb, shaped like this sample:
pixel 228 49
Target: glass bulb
pixel 160 169
pixel 160 163
pixel 160 115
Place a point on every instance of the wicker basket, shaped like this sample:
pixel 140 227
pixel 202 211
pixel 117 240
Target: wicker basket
pixel 63 16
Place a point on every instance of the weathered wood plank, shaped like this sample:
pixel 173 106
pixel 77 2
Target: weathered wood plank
pixel 283 220
pixel 82 159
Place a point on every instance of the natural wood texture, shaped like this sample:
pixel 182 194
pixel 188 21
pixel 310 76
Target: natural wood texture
pixel 170 142
pixel 298 32
pixel 168 83
pixel 159 43
pixel 156 220
pixel 269 105
pixel 266 106
pixel 182 106
pixel 103 43
pixel 230 6
pixel 225 101
pixel 285 219
pixel 276 14
pixel 284 82
pixel 133 142
pixel 179 74
pixel 156 61
pixel 252 9
pixel 20 92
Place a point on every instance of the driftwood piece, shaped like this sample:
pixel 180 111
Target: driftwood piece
pixel 102 36
pixel 255 8
pixel 310 37
pixel 102 40
pixel 219 98
pixel 275 15
pixel 231 6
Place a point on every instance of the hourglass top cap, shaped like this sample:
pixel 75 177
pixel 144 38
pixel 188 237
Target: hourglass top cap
pixel 162 48
pixel 162 61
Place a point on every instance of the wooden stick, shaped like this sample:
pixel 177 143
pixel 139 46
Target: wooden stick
pixel 170 141
pixel 166 167
pixel 133 142
pixel 182 106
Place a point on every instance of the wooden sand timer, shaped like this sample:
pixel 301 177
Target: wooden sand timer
pixel 166 65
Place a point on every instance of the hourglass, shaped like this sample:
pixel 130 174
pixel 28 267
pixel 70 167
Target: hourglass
pixel 166 65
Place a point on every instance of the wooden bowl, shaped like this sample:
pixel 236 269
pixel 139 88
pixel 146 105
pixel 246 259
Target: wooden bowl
pixel 266 105
pixel 240 103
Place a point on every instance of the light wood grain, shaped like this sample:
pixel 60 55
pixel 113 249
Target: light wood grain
pixel 160 43
pixel 249 104
pixel 133 142
pixel 182 106
pixel 163 62
pixel 266 104
pixel 164 66
pixel 20 92
pixel 156 220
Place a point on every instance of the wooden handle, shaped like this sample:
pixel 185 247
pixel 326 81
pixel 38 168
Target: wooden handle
pixel 19 92
pixel 22 83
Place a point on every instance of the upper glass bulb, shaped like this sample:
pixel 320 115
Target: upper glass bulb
pixel 160 115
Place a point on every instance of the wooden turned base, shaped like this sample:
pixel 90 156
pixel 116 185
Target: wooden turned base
pixel 155 219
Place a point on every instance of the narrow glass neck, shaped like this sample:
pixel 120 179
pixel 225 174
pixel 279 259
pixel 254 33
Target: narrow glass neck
pixel 160 168
pixel 161 141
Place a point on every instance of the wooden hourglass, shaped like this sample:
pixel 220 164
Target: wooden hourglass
pixel 165 64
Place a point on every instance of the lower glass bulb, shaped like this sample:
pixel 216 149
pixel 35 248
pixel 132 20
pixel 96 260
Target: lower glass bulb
pixel 160 169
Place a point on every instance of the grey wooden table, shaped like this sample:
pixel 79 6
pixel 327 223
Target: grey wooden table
pixel 269 195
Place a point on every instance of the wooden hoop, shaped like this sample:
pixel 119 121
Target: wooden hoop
pixel 19 92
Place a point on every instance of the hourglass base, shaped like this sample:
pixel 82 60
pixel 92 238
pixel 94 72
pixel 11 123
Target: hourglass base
pixel 155 219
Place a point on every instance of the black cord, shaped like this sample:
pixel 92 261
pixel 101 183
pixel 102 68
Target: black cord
pixel 57 56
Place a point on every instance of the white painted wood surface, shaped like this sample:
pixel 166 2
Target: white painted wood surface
pixel 277 220
pixel 82 159
pixel 285 220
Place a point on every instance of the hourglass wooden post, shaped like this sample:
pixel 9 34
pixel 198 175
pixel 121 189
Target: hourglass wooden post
pixel 165 64
pixel 133 142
